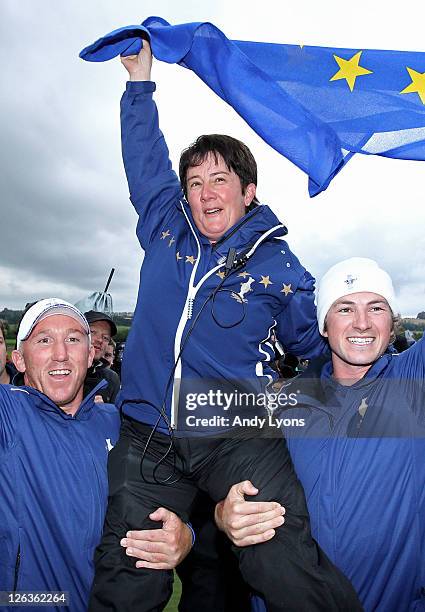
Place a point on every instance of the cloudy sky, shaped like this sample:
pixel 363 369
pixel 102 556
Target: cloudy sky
pixel 65 215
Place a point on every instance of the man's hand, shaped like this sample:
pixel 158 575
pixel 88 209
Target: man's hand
pixel 139 66
pixel 160 548
pixel 246 522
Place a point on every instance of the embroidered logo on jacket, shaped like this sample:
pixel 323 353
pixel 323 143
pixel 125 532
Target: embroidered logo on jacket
pixel 245 288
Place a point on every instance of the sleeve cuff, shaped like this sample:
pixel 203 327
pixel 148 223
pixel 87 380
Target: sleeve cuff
pixel 140 86
pixel 193 533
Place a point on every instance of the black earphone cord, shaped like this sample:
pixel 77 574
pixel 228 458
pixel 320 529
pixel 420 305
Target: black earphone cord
pixel 232 266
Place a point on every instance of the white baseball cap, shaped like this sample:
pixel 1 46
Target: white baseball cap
pixel 353 275
pixel 46 308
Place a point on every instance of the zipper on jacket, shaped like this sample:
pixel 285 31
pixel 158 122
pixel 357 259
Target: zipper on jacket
pixel 17 564
pixel 190 298
pixel 190 307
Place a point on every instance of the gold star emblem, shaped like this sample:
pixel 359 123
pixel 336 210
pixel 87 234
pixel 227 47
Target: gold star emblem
pixel 286 289
pixel 244 274
pixel 417 85
pixel 221 274
pixel 190 259
pixel 170 242
pixel 165 234
pixel 265 280
pixel 349 70
pixel 178 256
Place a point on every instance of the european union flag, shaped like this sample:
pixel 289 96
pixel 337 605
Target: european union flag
pixel 316 106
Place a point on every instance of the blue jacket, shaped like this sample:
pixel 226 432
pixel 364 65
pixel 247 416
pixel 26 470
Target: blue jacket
pixel 53 484
pixel 231 339
pixel 360 457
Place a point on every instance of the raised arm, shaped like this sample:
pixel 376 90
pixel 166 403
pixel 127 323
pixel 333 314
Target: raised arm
pixel 154 186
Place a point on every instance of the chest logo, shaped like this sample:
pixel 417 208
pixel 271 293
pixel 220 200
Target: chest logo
pixel 245 288
pixel 109 445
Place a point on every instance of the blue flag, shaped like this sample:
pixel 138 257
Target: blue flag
pixel 316 106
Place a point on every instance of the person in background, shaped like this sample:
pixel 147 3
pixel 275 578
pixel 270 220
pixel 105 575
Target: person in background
pixel 102 329
pixel 109 355
pixel 7 369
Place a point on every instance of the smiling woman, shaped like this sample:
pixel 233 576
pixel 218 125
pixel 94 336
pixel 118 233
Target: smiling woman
pixel 215 279
pixel 215 197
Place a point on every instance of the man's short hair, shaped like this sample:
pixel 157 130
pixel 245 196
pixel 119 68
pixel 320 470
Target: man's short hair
pixel 235 154
pixel 2 329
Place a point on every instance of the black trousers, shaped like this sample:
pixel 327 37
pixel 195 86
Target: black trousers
pixel 290 571
pixel 210 576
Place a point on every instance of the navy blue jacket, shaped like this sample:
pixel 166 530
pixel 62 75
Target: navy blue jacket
pixel 53 486
pixel 360 457
pixel 231 339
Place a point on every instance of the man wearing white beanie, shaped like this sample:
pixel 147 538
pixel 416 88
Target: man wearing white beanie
pixel 357 441
pixel 356 311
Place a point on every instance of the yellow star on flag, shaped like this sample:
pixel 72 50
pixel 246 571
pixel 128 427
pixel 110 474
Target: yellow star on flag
pixel 349 69
pixel 221 274
pixel 190 259
pixel 244 274
pixel 265 280
pixel 178 256
pixel 165 234
pixel 417 85
pixel 286 289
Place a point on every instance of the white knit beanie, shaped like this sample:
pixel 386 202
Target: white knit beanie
pixel 352 276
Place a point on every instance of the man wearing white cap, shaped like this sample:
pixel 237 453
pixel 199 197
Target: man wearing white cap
pixel 54 446
pixel 359 446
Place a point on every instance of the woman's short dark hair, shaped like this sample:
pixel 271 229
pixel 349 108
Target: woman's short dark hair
pixel 235 154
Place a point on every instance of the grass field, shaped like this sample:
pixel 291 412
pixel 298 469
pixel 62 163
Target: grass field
pixel 174 601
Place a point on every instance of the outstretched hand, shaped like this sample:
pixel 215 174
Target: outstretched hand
pixel 247 522
pixel 139 66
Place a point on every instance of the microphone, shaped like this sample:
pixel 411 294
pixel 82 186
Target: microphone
pixel 230 261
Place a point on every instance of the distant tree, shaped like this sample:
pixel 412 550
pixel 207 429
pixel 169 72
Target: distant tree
pixel 10 316
pixel 421 315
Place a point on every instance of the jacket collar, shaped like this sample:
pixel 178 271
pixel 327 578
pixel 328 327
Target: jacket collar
pixel 246 231
pixel 320 391
pixel 45 403
pixel 330 385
